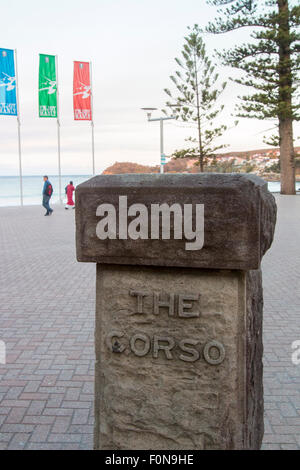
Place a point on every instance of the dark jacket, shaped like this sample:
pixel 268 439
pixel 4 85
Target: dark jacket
pixel 47 188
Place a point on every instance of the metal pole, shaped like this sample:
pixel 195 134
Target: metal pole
pixel 161 145
pixel 92 121
pixel 93 147
pixel 58 131
pixel 161 120
pixel 19 130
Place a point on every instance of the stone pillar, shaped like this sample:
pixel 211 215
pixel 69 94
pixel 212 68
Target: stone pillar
pixel 178 322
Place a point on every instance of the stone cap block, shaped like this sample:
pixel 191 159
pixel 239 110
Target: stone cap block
pixel 239 219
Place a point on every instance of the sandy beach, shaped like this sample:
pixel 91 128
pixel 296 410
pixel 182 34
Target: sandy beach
pixel 47 319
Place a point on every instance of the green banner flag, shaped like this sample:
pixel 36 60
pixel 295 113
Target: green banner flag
pixel 47 87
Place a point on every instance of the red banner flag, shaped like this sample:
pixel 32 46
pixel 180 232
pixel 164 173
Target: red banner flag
pixel 82 92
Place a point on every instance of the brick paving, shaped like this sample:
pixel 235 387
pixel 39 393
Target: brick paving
pixel 281 271
pixel 47 323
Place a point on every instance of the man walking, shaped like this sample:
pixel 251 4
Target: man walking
pixel 47 193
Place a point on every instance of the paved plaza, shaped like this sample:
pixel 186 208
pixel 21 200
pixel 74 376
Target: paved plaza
pixel 47 322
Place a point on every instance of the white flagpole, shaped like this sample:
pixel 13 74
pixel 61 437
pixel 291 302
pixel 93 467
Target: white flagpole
pixel 19 130
pixel 58 130
pixel 92 121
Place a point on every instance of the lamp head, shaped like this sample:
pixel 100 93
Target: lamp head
pixel 149 111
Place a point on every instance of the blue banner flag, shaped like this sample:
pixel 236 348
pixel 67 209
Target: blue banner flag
pixel 8 96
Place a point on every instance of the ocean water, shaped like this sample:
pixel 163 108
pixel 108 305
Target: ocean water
pixel 32 188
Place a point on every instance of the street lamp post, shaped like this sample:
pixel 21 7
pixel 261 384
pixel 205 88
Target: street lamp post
pixel 161 120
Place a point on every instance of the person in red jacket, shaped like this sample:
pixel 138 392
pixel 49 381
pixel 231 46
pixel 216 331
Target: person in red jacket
pixel 69 192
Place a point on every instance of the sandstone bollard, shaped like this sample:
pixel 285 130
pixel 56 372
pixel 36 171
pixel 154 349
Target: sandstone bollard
pixel 178 307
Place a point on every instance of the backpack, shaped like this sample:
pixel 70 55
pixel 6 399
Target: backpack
pixel 49 190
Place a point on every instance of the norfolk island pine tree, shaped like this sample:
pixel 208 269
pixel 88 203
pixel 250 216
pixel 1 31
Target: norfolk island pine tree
pixel 195 98
pixel 270 63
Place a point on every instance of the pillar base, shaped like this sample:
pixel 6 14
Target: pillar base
pixel 178 359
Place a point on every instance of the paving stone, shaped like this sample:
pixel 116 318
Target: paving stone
pixel 289 447
pixel 16 415
pixel 40 433
pixel 61 424
pixel 19 441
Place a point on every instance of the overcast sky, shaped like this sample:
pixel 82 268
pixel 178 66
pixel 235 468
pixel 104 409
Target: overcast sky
pixel 132 45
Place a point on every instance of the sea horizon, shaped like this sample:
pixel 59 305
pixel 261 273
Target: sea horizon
pixel 32 188
pixel 33 184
